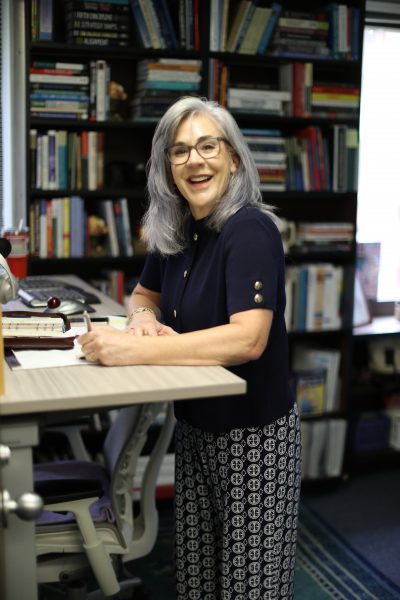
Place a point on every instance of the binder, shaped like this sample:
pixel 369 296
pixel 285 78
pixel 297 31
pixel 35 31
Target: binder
pixel 23 329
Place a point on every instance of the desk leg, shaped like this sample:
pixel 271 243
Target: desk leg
pixel 17 540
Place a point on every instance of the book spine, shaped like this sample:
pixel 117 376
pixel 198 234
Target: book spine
pixel 101 91
pixel 45 20
pixel 276 10
pixel 66 79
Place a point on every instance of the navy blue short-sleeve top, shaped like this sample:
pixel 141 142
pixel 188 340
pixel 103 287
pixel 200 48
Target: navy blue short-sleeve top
pixel 217 275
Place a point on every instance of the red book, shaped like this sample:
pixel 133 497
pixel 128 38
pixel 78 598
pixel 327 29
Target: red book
pixel 48 71
pixel 298 89
pixel 335 89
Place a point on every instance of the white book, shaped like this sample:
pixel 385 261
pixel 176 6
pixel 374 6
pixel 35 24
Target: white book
pixel 92 160
pixel 335 447
pixel 214 26
pixel 69 79
pixel 101 91
pixel 247 94
pixel 173 75
pixel 270 104
pixel 316 460
pixel 266 157
pixel 264 139
pixel 107 212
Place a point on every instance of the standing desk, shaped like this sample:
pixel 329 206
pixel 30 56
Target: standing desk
pixel 38 396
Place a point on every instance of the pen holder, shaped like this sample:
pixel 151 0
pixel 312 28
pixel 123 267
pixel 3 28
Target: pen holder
pixel 18 257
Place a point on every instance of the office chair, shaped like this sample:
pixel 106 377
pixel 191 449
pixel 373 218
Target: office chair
pixel 89 519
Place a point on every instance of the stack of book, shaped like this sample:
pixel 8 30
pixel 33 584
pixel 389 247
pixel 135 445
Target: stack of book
pixel 334 237
pixel 335 101
pixel 246 99
pixel 160 83
pixel 59 90
pixel 313 297
pixel 301 34
pixel 268 149
pixel 92 23
pixel 62 159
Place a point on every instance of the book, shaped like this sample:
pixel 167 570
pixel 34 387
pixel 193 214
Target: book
pixel 106 211
pixel 237 24
pixel 335 446
pixel 45 32
pixel 255 30
pixel 276 9
pixel 328 359
pixel 310 391
pixel 65 79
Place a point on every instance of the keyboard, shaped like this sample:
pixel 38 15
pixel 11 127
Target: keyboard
pixel 34 291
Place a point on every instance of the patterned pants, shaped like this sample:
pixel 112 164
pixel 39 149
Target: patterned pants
pixel 236 507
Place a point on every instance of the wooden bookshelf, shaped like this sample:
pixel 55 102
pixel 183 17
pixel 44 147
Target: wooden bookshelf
pixel 335 68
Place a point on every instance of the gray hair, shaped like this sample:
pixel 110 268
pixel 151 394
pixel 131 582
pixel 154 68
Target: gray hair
pixel 164 223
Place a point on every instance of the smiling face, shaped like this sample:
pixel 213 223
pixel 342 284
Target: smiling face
pixel 202 181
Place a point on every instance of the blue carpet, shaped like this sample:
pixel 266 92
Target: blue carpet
pixel 335 566
pixel 364 514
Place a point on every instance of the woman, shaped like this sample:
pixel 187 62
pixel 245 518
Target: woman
pixel 215 272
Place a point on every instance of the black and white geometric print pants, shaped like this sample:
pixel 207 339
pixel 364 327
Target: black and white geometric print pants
pixel 236 507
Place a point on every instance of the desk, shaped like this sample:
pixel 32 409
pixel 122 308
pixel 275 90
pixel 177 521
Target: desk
pixel 32 394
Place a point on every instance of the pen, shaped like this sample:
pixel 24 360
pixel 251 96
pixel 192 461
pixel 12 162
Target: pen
pixel 87 320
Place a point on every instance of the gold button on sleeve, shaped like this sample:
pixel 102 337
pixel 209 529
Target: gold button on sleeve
pixel 258 285
pixel 258 298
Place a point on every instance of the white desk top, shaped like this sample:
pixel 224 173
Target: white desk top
pixel 87 387
pixel 75 388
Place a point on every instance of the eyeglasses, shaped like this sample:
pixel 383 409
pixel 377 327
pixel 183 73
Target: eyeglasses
pixel 207 148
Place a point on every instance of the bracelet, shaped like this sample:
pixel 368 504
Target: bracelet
pixel 139 310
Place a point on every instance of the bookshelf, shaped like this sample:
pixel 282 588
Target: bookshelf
pixel 292 83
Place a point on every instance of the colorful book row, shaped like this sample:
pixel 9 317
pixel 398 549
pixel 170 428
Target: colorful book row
pixel 63 159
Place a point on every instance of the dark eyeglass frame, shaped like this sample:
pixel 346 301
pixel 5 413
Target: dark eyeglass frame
pixel 195 147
